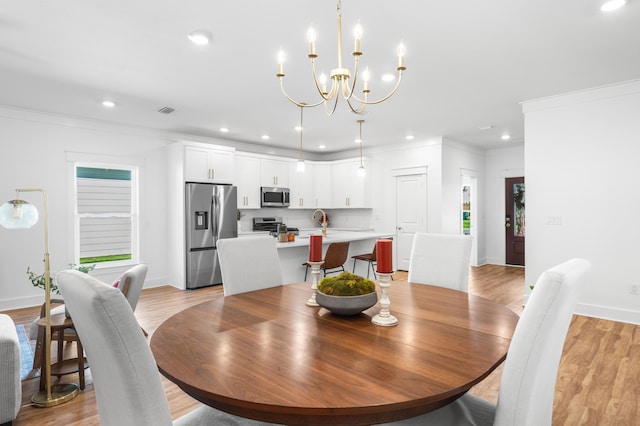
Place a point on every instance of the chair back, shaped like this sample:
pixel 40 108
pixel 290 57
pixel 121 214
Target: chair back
pixel 441 260
pixel 131 283
pixel 529 377
pixel 249 263
pixel 126 380
pixel 336 255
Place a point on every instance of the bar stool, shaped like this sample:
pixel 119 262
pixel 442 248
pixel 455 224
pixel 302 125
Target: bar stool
pixel 367 257
pixel 334 259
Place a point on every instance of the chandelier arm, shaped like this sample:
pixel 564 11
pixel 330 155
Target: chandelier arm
pixel 335 104
pixel 300 104
pixel 356 110
pixel 315 80
pixel 368 102
pixel 348 92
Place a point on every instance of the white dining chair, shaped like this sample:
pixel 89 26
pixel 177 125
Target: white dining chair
pixel 528 380
pixel 249 263
pixel 441 260
pixel 127 383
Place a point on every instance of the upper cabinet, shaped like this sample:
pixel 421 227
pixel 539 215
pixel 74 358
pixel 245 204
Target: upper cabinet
pixel 247 180
pixel 301 186
pixel 348 189
pixel 322 186
pixel 274 173
pixel 203 163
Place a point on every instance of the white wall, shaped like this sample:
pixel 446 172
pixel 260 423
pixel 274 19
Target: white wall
pixel 34 155
pixel 458 159
pixel 500 164
pixel 581 162
pixel 387 160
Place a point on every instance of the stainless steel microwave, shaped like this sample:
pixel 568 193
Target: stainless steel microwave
pixel 274 197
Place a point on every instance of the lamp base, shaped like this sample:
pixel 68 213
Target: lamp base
pixel 59 395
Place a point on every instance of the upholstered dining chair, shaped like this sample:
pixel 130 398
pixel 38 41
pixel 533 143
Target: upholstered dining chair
pixel 441 260
pixel 249 263
pixel 334 259
pixel 528 380
pixel 127 383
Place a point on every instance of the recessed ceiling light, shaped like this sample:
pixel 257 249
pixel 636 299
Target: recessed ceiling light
pixel 506 137
pixel 200 37
pixel 409 137
pixel 358 140
pixel 298 128
pixel 224 129
pixel 388 77
pixel 265 137
pixel 322 146
pixel 108 104
pixel 612 5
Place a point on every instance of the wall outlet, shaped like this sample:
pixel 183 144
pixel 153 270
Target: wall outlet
pixel 634 288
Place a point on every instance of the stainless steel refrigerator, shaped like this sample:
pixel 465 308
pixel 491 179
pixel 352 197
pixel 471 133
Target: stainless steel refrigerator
pixel 210 215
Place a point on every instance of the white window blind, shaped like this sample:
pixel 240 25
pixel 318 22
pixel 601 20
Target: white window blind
pixel 106 214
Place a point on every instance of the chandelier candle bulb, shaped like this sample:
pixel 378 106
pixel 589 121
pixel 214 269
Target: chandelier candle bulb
pixel 401 52
pixel 357 33
pixel 311 37
pixel 315 248
pixel 384 252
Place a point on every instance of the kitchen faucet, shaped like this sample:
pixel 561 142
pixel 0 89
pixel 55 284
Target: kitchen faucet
pixel 324 220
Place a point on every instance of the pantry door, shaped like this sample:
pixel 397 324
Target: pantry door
pixel 411 214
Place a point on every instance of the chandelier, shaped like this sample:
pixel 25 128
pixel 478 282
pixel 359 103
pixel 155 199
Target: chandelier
pixel 342 83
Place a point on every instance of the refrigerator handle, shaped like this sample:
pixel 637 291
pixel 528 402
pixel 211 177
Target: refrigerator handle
pixel 215 216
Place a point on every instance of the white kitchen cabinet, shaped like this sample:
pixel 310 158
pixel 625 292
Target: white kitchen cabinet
pixel 301 186
pixel 322 186
pixel 208 164
pixel 247 180
pixel 274 173
pixel 350 190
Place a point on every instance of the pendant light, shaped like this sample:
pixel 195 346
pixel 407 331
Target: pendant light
pixel 361 170
pixel 300 165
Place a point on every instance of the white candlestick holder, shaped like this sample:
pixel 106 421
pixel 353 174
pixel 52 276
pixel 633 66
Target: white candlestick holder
pixel 315 271
pixel 384 318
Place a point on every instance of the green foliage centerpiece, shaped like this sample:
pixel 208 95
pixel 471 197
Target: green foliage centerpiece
pixel 346 294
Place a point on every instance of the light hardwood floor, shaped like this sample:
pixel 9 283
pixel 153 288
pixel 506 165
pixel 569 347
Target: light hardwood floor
pixel 598 382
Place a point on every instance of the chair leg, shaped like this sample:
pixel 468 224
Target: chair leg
pixel 80 351
pixel 375 277
pixel 354 267
pixel 306 269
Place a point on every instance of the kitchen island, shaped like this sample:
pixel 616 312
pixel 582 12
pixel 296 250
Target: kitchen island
pixel 294 254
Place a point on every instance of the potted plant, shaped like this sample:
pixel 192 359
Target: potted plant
pixel 39 280
pixel 346 294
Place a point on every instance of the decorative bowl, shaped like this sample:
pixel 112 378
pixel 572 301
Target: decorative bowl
pixel 347 305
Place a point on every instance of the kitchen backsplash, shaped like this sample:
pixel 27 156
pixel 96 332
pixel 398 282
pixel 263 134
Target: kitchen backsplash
pixel 338 218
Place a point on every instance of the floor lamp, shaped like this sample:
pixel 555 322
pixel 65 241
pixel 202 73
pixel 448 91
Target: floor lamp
pixel 18 214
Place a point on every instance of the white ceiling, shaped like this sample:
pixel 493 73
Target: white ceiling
pixel 469 64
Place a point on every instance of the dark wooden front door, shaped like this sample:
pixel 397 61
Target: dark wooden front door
pixel 514 222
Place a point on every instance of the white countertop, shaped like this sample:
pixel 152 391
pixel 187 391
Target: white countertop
pixel 333 235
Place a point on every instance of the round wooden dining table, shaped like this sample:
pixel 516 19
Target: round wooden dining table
pixel 265 355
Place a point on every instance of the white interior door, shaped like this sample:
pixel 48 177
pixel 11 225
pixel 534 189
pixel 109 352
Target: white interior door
pixel 411 214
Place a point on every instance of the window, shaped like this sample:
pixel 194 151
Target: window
pixel 106 215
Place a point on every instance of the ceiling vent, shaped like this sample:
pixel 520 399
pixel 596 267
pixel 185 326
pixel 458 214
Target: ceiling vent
pixel 166 110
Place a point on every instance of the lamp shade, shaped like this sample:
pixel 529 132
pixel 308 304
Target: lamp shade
pixel 18 214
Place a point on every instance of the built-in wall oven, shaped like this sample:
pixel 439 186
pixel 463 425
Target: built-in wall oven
pixel 274 197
